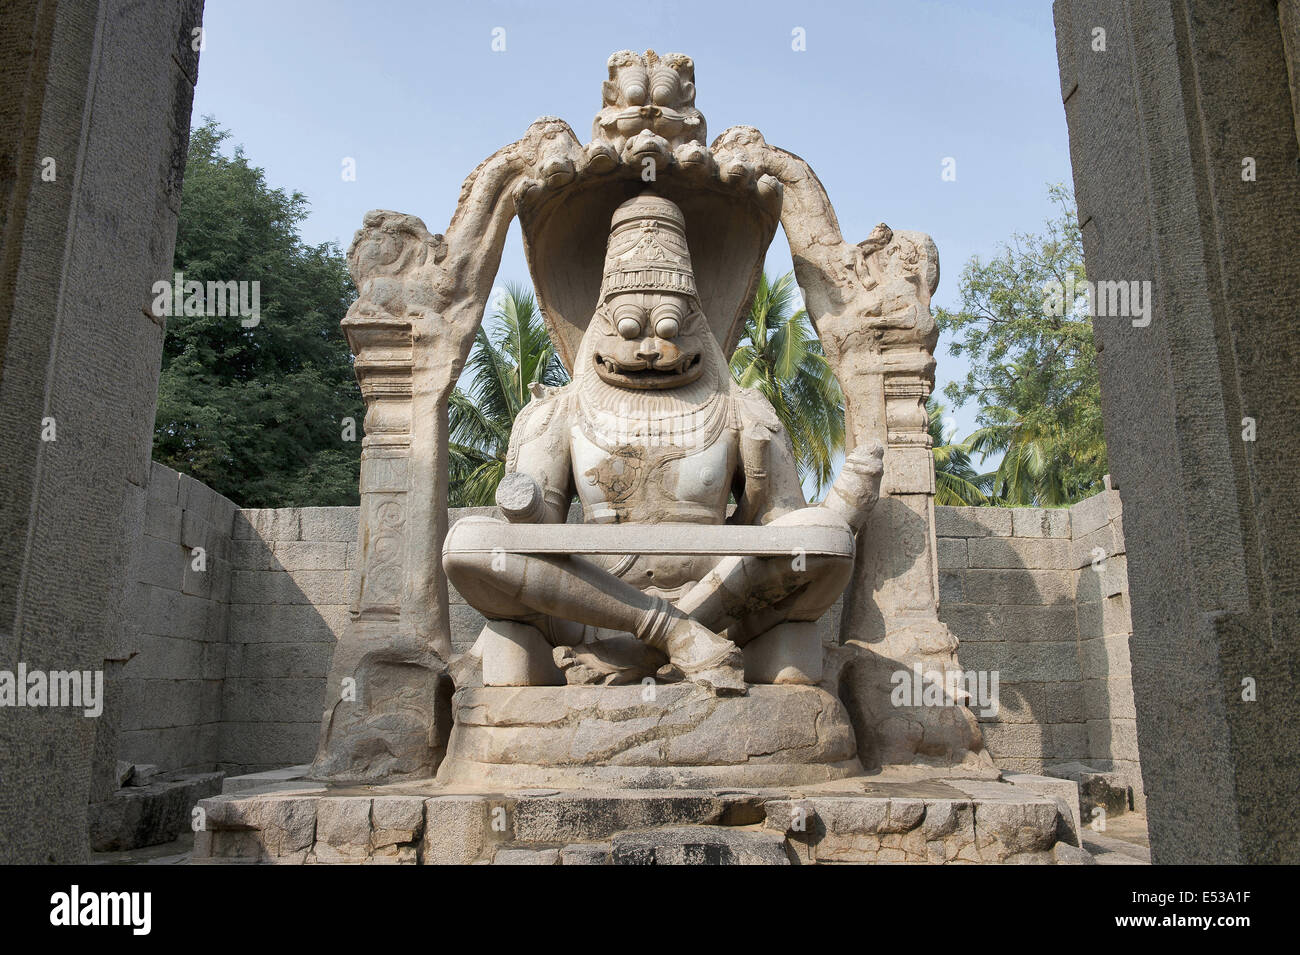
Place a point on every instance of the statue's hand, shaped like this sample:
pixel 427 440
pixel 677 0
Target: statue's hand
pixel 857 488
pixel 520 499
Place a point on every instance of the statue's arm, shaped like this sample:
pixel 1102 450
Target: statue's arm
pixel 538 484
pixel 768 480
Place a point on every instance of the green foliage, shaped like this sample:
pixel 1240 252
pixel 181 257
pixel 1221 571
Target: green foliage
pixel 781 356
pixel 1034 374
pixel 257 413
pixel 956 481
pixel 511 351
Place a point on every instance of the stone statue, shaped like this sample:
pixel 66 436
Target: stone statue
pixel 653 430
pixel 699 569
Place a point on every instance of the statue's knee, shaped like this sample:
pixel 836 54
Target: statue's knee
pixel 464 565
pixel 829 571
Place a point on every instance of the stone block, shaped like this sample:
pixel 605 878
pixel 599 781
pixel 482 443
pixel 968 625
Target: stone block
pixel 261 828
pixel 1022 740
pixel 1109 698
pixel 1093 513
pixel 1065 703
pixel 951 590
pixel 271 744
pixel 1040 522
pixel 1103 616
pixel 162 564
pixel 1019 552
pixel 196 497
pixel 972 521
pixel 151 814
pixel 1013 624
pixel 338 524
pixel 343 829
pixel 277 660
pixel 466 623
pixel 273 524
pixel 1104 657
pixel 1067 741
pixel 586 853
pixel 252 554
pixel 164 484
pixel 569 817
pixel 197 583
pixel 310 555
pixel 999 587
pixel 526 857
pixel 223 514
pixel 396 820
pixel 295 623
pixel 162 520
pixel 952 553
pixel 1096 547
pixel 455 830
pixel 699 845
pixel 195 530
pixel 164 657
pixel 277 700
pixel 1018 664
pixel 1017 702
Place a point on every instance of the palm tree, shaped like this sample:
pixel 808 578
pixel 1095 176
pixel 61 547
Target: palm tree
pixel 956 481
pixel 1047 459
pixel 511 351
pixel 781 356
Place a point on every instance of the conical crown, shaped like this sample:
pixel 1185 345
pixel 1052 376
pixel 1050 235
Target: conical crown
pixel 647 249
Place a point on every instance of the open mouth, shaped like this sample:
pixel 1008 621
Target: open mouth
pixel 647 371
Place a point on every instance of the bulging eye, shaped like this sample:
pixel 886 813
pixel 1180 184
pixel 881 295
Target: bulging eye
pixel 668 321
pixel 634 83
pixel 664 89
pixel 628 319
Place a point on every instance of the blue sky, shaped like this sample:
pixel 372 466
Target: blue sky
pixel 884 91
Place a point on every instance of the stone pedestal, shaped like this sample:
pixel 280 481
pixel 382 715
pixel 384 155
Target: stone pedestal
pixel 647 736
pixel 862 820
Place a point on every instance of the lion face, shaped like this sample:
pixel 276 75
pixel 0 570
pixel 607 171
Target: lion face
pixel 648 340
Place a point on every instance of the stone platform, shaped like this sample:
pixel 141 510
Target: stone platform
pixel 858 820
pixel 647 737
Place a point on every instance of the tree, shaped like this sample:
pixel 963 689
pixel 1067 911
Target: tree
pixel 512 350
pixel 258 411
pixel 956 481
pixel 781 356
pixel 1033 372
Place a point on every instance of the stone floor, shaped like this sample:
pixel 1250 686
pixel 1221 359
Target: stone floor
pixel 1123 843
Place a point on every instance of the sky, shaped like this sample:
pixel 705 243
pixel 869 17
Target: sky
pixel 882 94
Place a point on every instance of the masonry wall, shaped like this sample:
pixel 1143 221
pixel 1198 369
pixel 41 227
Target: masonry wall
pixel 1041 596
pixel 231 666
pixel 170 688
pixel 293 580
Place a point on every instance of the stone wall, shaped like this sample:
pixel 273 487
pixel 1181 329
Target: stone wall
pixel 1183 137
pixel 1041 597
pixel 171 687
pixel 95 102
pixel 289 595
pixel 231 670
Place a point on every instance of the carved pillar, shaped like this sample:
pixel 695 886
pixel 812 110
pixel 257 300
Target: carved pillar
pixel 870 304
pixel 386 711
pixel 421 298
